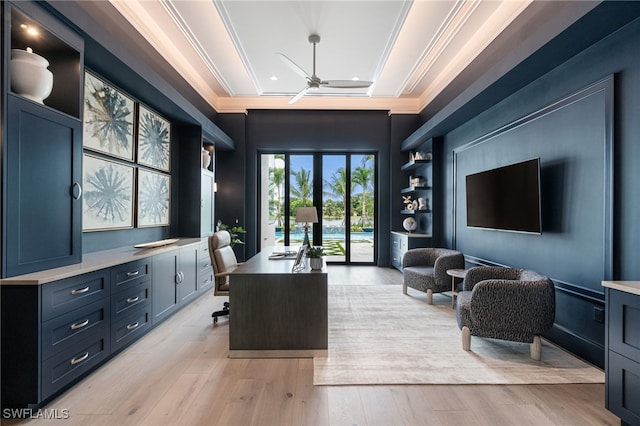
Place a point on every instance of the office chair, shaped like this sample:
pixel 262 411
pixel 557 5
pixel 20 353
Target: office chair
pixel 224 261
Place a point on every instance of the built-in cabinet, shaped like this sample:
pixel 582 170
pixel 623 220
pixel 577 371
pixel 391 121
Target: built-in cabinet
pixel 56 332
pixel 622 356
pixel 42 149
pixel 175 281
pixel 417 194
pixel 403 241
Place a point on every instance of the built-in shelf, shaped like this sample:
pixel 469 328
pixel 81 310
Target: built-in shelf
pixel 65 57
pixel 414 211
pixel 413 164
pixel 414 189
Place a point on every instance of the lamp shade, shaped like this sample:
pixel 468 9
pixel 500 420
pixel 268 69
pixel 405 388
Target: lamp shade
pixel 306 215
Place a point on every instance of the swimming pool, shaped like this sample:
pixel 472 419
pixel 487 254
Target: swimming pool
pixel 299 236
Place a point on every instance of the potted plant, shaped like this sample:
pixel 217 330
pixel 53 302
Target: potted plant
pixel 315 257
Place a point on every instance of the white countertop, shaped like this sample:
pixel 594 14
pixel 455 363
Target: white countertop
pixel 96 261
pixel 632 287
pixel 412 234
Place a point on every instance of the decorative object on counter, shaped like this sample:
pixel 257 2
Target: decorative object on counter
pixel 108 119
pixel 418 182
pixel 107 202
pixel 30 76
pixel 315 257
pixel 411 157
pixel 160 243
pixel 408 202
pixel 414 205
pixel 306 215
pixel 206 158
pixel 423 203
pixel 154 139
pixel 234 232
pixel 409 224
pixel 153 198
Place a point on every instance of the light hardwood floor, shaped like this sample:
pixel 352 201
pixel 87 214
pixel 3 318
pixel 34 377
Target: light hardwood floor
pixel 179 374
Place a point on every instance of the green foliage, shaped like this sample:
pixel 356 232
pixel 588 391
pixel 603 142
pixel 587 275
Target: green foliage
pixel 314 252
pixel 234 231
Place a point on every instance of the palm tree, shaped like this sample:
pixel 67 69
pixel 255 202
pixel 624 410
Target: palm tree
pixel 363 176
pixel 338 188
pixel 303 188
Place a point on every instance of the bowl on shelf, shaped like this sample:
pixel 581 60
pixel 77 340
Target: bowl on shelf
pixel 30 76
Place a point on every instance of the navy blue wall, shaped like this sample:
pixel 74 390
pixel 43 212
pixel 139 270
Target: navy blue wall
pixel 575 248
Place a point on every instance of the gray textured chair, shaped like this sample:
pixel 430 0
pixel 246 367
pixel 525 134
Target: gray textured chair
pixel 425 269
pixel 506 303
pixel 224 261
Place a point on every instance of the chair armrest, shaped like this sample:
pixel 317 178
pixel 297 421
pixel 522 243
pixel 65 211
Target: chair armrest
pixel 505 304
pixel 442 264
pixel 222 274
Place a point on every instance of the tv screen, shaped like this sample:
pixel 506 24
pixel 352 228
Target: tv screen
pixel 506 198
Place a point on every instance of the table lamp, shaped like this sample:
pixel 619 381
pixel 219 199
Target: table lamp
pixel 306 215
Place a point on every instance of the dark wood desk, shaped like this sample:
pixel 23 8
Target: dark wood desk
pixel 276 313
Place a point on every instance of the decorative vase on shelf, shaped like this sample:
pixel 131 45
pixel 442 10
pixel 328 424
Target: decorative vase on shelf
pixel 409 224
pixel 30 76
pixel 206 158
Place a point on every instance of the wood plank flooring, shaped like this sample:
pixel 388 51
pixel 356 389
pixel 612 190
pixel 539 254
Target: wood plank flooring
pixel 179 374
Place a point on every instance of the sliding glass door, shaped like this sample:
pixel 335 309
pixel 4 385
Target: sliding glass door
pixel 342 189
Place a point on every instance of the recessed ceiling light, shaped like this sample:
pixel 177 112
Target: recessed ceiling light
pixel 355 78
pixel 273 78
pixel 32 31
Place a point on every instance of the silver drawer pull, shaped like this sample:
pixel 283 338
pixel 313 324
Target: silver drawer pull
pixel 133 299
pixel 79 291
pixel 132 273
pixel 78 360
pixel 133 326
pixel 80 325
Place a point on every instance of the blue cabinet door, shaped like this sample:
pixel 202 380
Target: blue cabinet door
pixel 43 208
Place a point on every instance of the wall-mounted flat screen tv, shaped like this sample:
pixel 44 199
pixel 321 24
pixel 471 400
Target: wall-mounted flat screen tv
pixel 506 198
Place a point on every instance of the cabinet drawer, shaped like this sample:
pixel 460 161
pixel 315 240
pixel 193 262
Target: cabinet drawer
pixel 623 388
pixel 63 296
pixel 204 251
pixel 204 264
pixel 624 317
pixel 396 258
pixel 130 326
pixel 63 368
pixel 65 331
pixel 205 280
pixel 130 274
pixel 131 298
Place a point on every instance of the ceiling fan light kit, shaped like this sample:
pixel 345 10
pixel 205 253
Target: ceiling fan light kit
pixel 313 81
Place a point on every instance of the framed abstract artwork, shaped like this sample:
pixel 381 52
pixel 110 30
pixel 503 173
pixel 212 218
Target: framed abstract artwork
pixel 154 139
pixel 154 197
pixel 108 119
pixel 107 201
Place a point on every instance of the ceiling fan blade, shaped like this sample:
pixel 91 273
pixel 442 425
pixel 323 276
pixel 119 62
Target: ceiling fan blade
pixel 294 66
pixel 299 95
pixel 346 84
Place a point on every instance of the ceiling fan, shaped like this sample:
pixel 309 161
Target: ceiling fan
pixel 313 81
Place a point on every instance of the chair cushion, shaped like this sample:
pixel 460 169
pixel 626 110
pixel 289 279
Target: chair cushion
pixel 419 277
pixel 219 239
pixel 225 259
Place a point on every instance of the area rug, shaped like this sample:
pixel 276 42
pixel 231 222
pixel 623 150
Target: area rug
pixel 377 335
